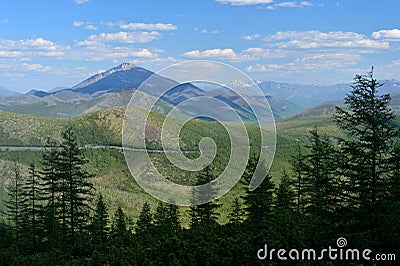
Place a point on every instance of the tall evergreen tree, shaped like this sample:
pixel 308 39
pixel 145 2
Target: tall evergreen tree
pixel 173 217
pixel 284 201
pixel 145 221
pixel 368 121
pixel 16 203
pixel 298 165
pixel 237 214
pixel 204 214
pixel 99 226
pixel 120 225
pixel 76 188
pixel 367 156
pixel 31 193
pixel 320 181
pixel 258 203
pixel 51 192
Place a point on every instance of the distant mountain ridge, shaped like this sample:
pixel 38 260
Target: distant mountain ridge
pixel 309 95
pixel 7 93
pixel 114 87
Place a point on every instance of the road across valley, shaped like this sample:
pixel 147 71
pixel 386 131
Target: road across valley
pixel 40 148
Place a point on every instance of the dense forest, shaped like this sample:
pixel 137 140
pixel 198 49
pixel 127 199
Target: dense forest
pixel 342 187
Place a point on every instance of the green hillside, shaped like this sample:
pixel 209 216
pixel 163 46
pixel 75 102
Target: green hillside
pixel 112 176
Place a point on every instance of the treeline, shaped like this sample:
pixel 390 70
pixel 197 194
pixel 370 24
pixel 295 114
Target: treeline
pixel 339 187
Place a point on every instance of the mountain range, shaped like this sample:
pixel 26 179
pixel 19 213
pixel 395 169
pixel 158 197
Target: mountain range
pixel 114 87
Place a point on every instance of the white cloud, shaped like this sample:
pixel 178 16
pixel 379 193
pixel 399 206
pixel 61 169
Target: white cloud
pixel 149 27
pixel 80 2
pixel 245 2
pixel 309 63
pixel 318 40
pixel 35 67
pixel 121 37
pixel 256 68
pixel 249 54
pixel 387 34
pixel 90 27
pixel 87 25
pixel 293 4
pixel 251 37
pixel 78 23
pixel 256 53
pixel 227 54
pixel 40 43
pixel 3 20
pixel 10 54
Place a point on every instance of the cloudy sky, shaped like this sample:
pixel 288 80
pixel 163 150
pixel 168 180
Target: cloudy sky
pixel 48 43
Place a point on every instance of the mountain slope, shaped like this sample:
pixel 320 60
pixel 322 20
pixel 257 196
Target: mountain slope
pixel 7 93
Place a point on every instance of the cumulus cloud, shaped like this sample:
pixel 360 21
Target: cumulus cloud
pixel 121 37
pixel 245 2
pixel 227 54
pixel 40 43
pixel 148 27
pixel 10 54
pixel 3 20
pixel 310 63
pixel 251 37
pixel 35 67
pixel 256 68
pixel 387 34
pixel 87 25
pixel 249 54
pixel 318 39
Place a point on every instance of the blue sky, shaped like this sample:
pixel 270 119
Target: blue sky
pixel 47 43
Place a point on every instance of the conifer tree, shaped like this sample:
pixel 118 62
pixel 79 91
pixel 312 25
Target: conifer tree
pixel 368 121
pixel 367 159
pixel 284 201
pixel 15 203
pixel 145 221
pixel 100 223
pixel 258 203
pixel 204 214
pixel 76 188
pixel 51 193
pixel 320 169
pixel 120 225
pixel 237 214
pixel 31 193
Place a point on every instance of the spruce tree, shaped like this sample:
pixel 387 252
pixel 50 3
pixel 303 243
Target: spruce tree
pixel 76 188
pixel 320 183
pixel 145 221
pixel 258 203
pixel 99 226
pixel 284 201
pixel 120 225
pixel 237 215
pixel 16 203
pixel 51 192
pixel 31 193
pixel 367 158
pixel 204 214
pixel 368 122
